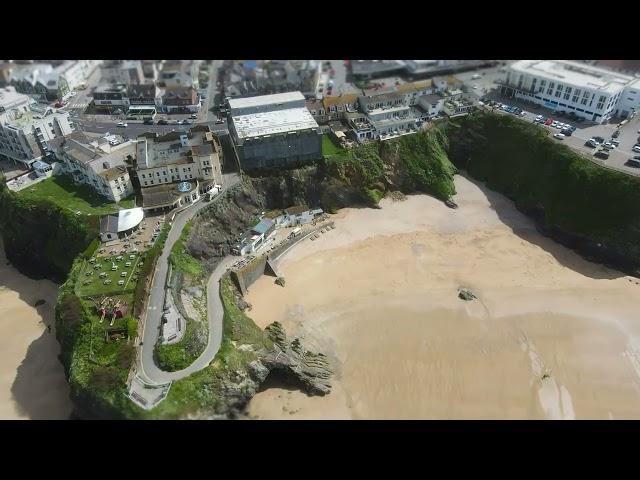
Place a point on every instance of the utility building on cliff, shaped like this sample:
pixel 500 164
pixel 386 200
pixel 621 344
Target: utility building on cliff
pixel 274 131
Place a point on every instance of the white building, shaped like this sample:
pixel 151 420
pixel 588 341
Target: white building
pixel 174 169
pixel 126 72
pixel 590 92
pixel 51 80
pixel 25 133
pixel 100 162
pixel 121 224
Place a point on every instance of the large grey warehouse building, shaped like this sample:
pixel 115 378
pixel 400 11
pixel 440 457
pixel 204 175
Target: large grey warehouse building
pixel 274 131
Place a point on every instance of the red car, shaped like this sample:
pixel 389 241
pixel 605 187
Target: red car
pixel 59 104
pixel 549 121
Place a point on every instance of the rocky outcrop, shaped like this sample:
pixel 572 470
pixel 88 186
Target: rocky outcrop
pixel 280 281
pixel 466 294
pixel 312 370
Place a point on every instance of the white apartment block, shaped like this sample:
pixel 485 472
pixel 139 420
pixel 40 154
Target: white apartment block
pixel 98 162
pixel 590 92
pixel 25 132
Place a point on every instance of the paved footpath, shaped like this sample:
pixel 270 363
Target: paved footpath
pixel 147 367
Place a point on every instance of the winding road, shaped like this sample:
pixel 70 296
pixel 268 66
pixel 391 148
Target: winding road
pixel 147 368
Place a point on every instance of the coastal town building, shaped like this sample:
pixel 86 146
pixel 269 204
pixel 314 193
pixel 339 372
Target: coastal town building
pixel 25 133
pixel 179 73
pixel 126 72
pixel 52 80
pixel 256 238
pixel 274 130
pixel 109 97
pixel 590 92
pixel 99 162
pixel 176 168
pixel 121 224
pixel 177 99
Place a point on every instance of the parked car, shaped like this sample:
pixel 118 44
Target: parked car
pixel 186 121
pixel 608 145
pixel 163 122
pixel 591 143
pixel 548 122
pixel 602 154
pixel 559 136
pixel 632 162
pixel 554 124
pixel 566 132
pixel 219 121
pixel 616 134
pixel 194 116
pixel 615 143
pixel 122 124
pixel 598 139
pixel 636 148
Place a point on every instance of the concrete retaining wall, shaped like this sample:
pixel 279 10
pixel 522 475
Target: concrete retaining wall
pixel 245 277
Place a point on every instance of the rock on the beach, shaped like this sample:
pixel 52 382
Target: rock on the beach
pixel 466 294
pixel 280 281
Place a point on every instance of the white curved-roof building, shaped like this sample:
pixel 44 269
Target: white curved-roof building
pixel 114 226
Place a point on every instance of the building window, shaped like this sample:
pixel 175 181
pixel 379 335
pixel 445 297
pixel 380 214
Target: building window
pixel 576 95
pixel 567 93
pixel 585 98
pixel 550 89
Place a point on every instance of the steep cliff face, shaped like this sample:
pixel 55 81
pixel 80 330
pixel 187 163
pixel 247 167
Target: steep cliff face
pixel 582 205
pixel 40 238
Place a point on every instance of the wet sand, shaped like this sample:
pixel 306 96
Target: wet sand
pixel 551 335
pixel 32 382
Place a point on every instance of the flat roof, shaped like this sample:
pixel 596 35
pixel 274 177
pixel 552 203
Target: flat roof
pixel 271 123
pixel 574 73
pixel 263 100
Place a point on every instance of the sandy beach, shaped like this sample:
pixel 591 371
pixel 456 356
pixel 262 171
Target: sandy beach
pixel 551 336
pixel 32 382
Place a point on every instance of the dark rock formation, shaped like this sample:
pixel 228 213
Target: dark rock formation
pixel 312 370
pixel 466 294
pixel 280 281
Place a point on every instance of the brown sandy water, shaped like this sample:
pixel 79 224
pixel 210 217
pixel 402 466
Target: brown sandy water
pixel 32 381
pixel 550 336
